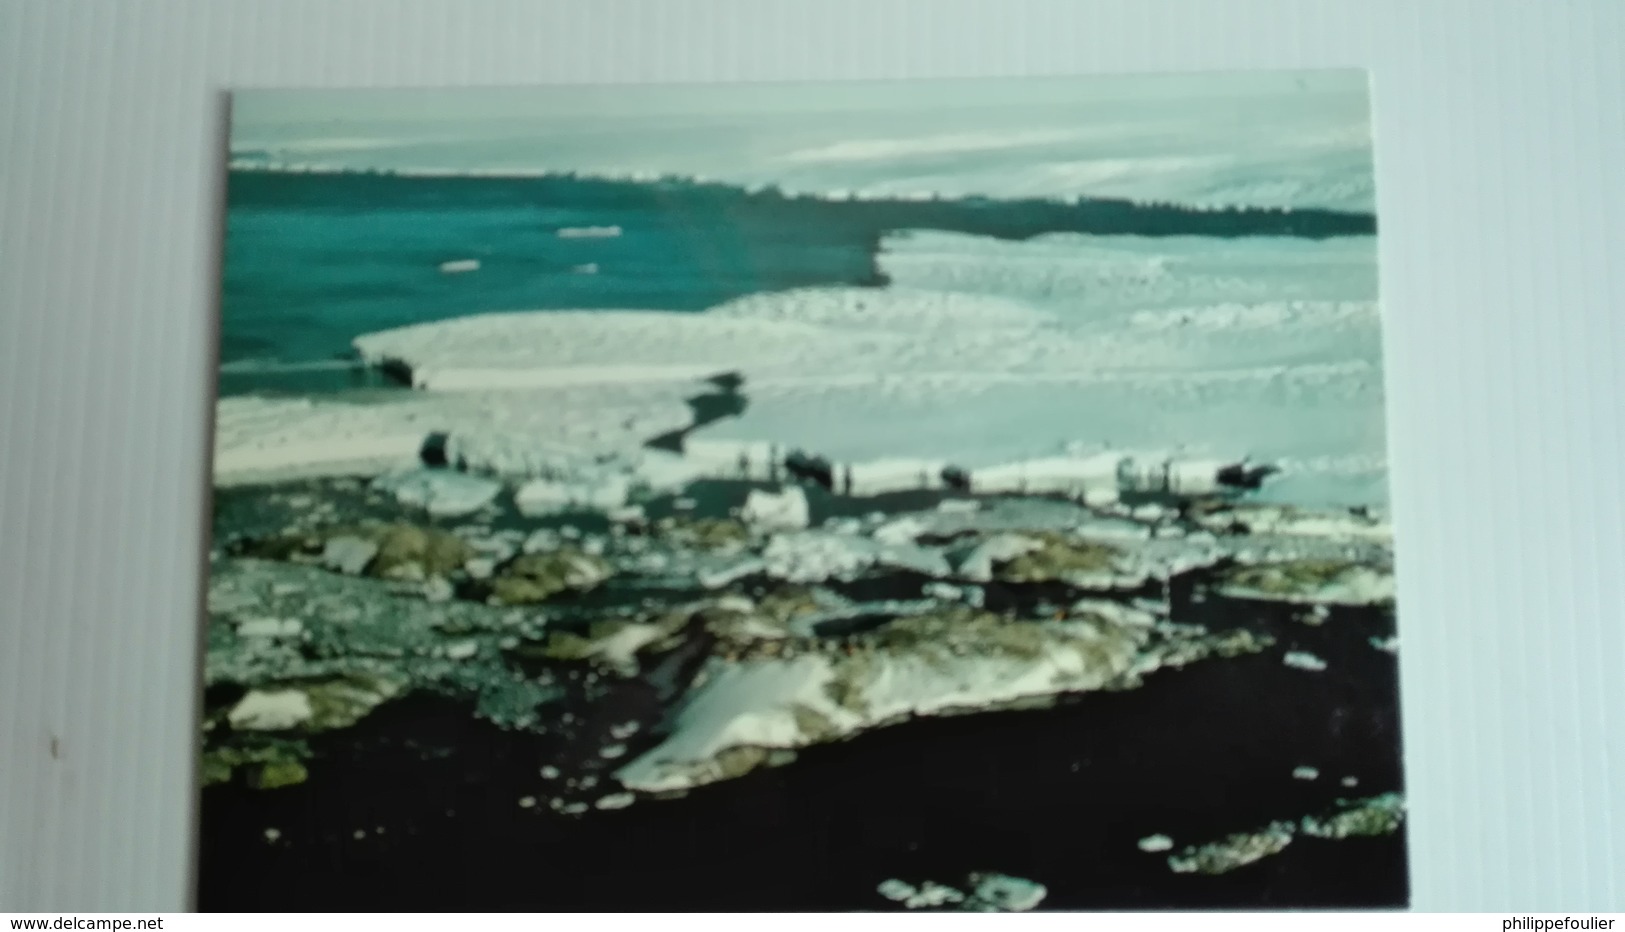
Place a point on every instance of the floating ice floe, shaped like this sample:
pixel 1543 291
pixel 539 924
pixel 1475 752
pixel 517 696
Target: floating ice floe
pixel 1303 660
pixel 1305 773
pixel 1152 844
pixel 440 492
pixel 602 232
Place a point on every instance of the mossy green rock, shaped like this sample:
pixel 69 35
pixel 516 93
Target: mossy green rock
pixel 1057 558
pixel 405 551
pixel 537 577
pixel 342 702
pixel 704 533
pixel 270 763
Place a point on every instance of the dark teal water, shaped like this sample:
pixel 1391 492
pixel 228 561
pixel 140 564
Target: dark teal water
pixel 312 261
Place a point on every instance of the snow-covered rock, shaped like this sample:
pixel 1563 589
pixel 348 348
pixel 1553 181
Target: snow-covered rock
pixel 1338 582
pixel 944 660
pixel 271 710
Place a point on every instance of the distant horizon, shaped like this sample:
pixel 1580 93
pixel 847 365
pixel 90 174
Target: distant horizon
pixel 1265 139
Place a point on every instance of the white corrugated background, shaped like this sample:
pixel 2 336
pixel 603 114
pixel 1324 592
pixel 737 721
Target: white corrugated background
pixel 1500 147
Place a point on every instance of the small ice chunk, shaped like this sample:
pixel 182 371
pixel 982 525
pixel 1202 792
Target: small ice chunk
pixel 437 589
pixel 349 555
pixel 527 802
pixel 574 808
pixel 623 731
pixel 941 590
pixel 458 266
pixel 899 532
pixel 550 773
pixel 462 650
pixel 612 751
pixel 480 567
pixel 785 510
pixel 1388 645
pixel 1350 782
pixel 272 834
pixel 269 628
pixel 616 801
pixel 1305 773
pixel 359 834
pixel 1303 660
pixel 1152 844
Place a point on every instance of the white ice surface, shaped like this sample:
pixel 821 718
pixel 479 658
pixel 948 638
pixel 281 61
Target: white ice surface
pixel 987 354
pixel 275 438
pixel 1261 138
pixel 440 492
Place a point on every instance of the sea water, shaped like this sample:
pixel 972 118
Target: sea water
pixel 313 260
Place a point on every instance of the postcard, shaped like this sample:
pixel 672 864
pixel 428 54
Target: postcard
pixel 934 495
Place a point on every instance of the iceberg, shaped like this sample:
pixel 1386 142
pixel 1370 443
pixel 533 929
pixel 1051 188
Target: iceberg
pixel 440 492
